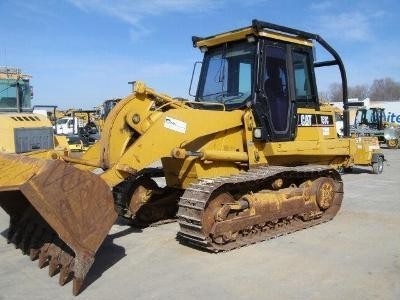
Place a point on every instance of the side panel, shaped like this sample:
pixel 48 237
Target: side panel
pixel 24 132
pixel 180 173
pixel 30 139
pixel 313 125
pixel 365 147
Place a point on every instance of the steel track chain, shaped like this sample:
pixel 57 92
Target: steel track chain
pixel 196 197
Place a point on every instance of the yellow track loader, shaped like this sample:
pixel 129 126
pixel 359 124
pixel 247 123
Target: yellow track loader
pixel 254 156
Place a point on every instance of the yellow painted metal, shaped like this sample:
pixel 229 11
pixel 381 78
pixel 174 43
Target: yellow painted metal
pixel 241 34
pixel 228 140
pixel 365 148
pixel 140 105
pixel 61 144
pixel 14 73
pixel 320 145
pixel 212 155
pixel 254 149
pixel 21 171
pixel 162 124
pixel 308 133
pixel 283 200
pixel 11 121
pixel 161 138
pixel 283 37
pixel 180 173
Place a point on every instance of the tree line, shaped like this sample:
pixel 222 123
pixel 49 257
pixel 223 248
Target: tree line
pixel 385 89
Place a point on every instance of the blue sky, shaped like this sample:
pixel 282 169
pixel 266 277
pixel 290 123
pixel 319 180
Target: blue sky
pixel 81 52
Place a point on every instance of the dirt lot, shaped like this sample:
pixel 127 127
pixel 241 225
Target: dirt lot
pixel 354 256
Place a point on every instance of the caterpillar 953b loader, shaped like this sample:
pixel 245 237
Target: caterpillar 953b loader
pixel 253 157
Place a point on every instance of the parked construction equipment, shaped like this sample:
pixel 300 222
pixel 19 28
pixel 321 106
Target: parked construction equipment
pixel 372 122
pixel 254 156
pixel 21 130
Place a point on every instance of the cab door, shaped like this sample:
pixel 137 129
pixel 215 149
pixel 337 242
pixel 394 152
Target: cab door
pixel 275 105
pixel 286 82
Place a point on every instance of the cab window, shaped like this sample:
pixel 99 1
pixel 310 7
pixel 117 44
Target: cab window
pixel 302 77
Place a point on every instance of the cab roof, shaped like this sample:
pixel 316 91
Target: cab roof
pixel 258 29
pixel 12 73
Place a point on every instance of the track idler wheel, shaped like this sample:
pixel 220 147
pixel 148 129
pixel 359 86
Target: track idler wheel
pixel 324 190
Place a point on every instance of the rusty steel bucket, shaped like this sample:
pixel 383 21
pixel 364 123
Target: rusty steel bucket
pixel 59 214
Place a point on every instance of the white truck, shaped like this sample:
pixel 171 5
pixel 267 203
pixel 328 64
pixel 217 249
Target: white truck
pixel 68 125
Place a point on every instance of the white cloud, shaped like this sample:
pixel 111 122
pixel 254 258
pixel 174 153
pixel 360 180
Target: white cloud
pixel 350 26
pixel 137 32
pixel 252 3
pixel 321 5
pixel 133 12
pixel 29 10
pixel 379 14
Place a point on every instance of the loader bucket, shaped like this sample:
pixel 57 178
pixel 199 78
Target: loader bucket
pixel 58 214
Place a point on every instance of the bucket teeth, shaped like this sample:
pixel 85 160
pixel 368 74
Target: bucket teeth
pixel 33 246
pixel 20 228
pixel 10 233
pixel 59 214
pixel 39 241
pixel 54 267
pixel 14 220
pixel 65 275
pixel 34 254
pixel 77 285
pixel 43 257
pixel 17 236
pixel 35 243
pixel 26 239
pixel 54 262
pixel 66 262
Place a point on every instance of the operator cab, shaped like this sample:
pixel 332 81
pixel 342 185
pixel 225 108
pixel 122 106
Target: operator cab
pixel 263 69
pixel 372 118
pixel 15 90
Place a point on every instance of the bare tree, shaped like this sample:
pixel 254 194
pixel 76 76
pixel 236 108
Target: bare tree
pixel 323 96
pixel 335 93
pixel 359 91
pixel 385 89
